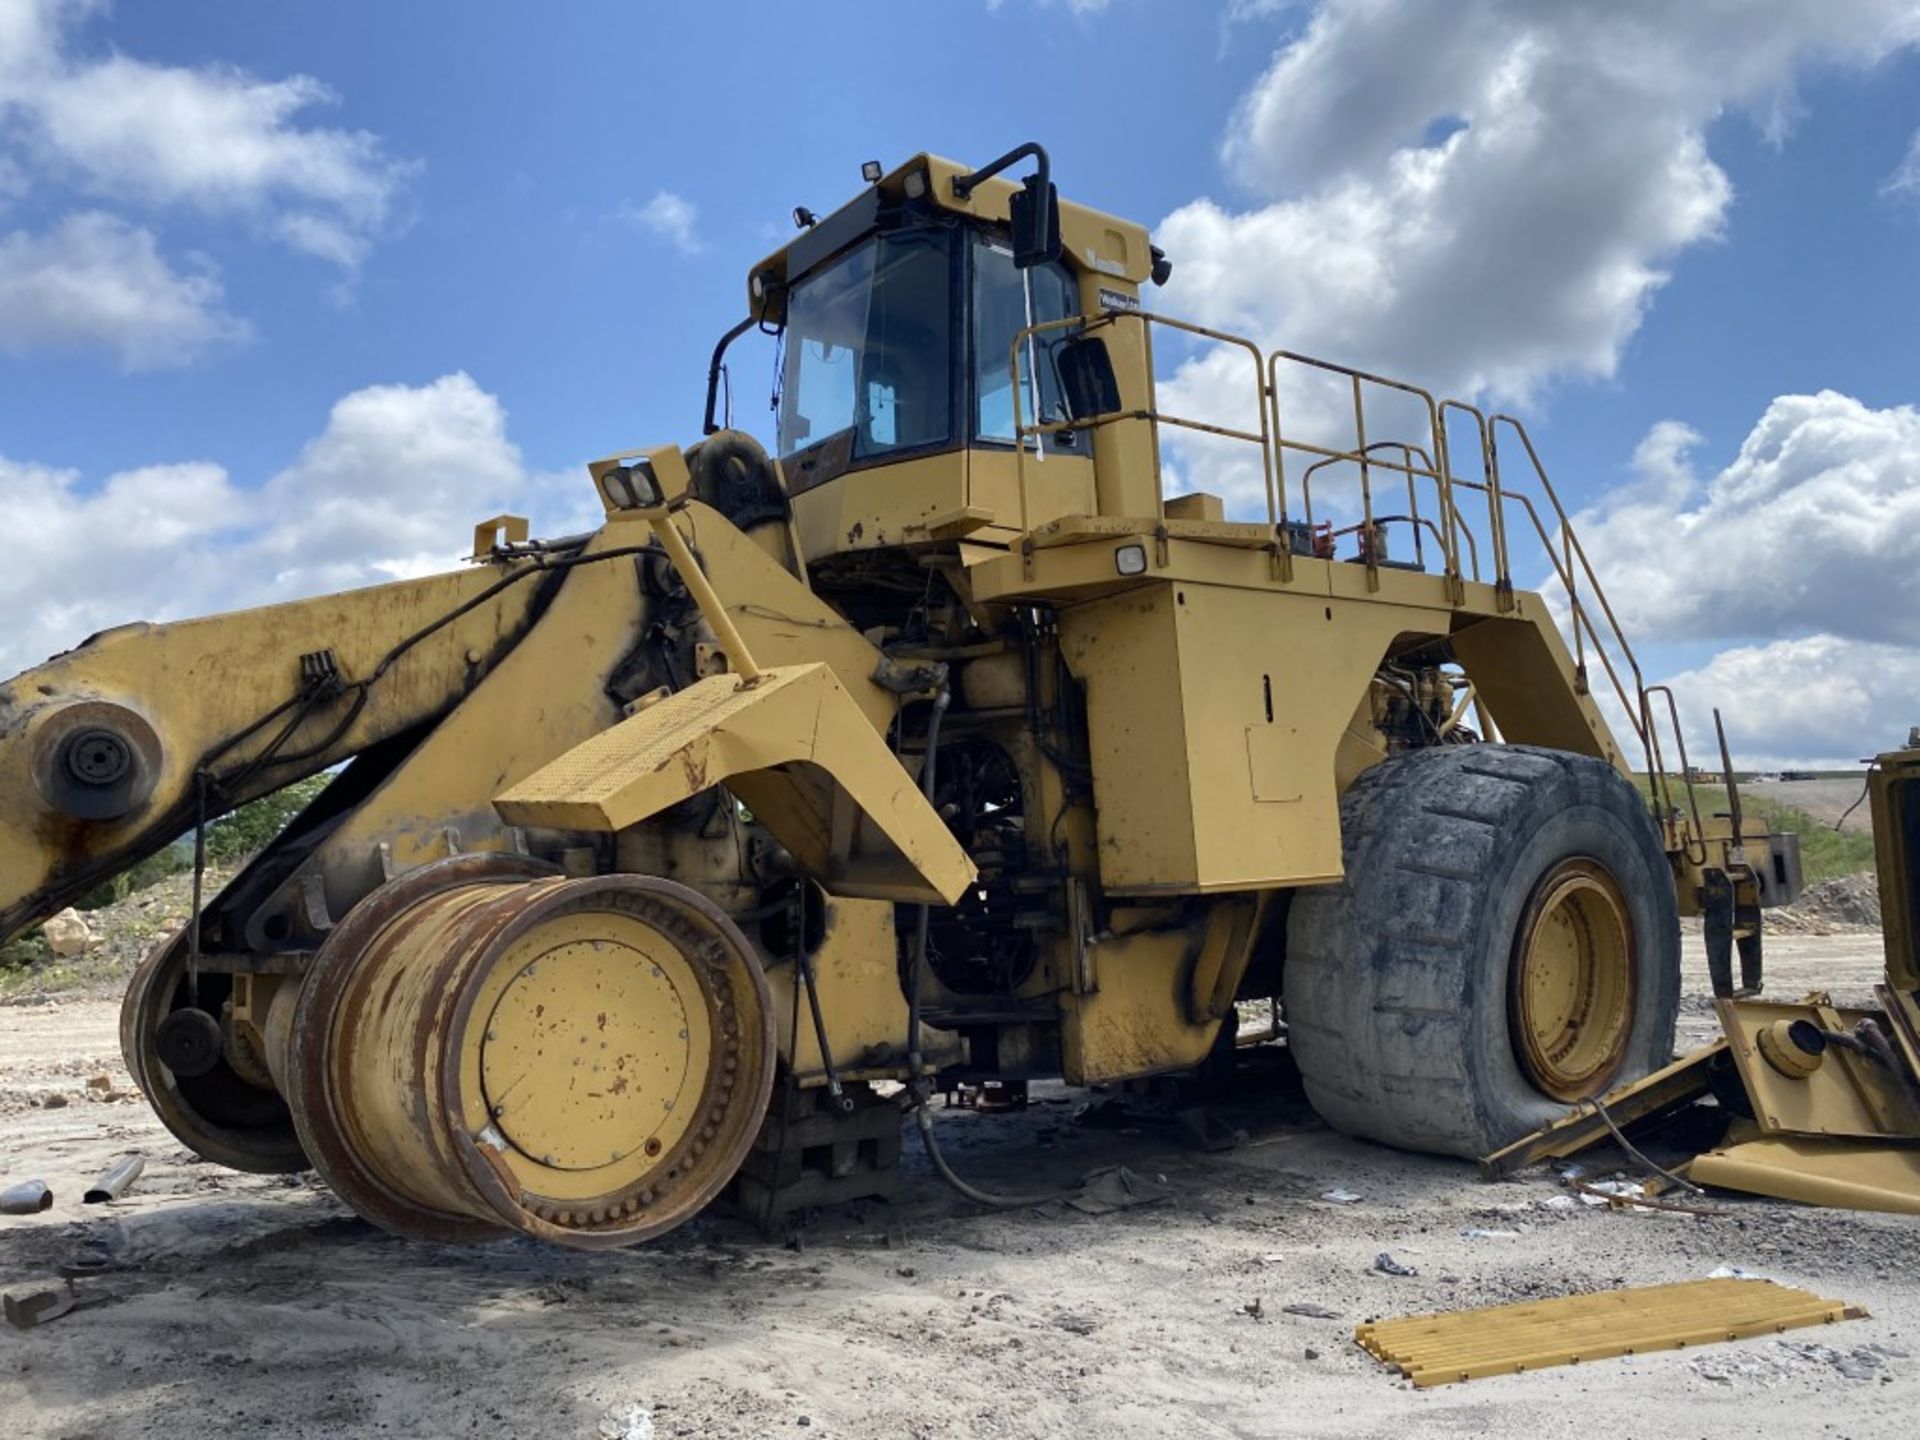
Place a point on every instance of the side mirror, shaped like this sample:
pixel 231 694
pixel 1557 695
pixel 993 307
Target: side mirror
pixel 1087 382
pixel 1034 210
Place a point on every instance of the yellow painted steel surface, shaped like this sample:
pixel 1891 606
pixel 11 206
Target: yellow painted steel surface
pixel 582 1060
pixel 1133 1023
pixel 1894 788
pixel 1572 987
pixel 196 683
pixel 1847 1174
pixel 1843 1095
pixel 1116 250
pixel 588 1053
pixel 1507 1339
pixel 724 730
pixel 1213 715
pixel 857 973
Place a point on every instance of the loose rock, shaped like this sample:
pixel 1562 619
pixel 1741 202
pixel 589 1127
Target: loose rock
pixel 68 935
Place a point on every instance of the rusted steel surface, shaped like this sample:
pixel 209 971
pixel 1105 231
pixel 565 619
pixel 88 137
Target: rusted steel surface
pixel 405 1016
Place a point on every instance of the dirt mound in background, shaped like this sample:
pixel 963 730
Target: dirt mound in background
pixel 1852 902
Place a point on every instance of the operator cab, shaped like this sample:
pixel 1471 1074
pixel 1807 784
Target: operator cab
pixel 868 370
pixel 895 380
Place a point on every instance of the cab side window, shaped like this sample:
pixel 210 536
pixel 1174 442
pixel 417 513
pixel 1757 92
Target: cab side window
pixel 1005 302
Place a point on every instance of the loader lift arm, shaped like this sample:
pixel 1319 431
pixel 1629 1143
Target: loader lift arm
pixel 116 748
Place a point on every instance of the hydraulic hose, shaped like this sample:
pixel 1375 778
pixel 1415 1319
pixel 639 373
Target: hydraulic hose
pixel 923 1117
pixel 929 768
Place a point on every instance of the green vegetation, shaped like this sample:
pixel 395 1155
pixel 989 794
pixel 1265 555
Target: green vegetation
pixel 17 955
pixel 247 830
pixel 1825 853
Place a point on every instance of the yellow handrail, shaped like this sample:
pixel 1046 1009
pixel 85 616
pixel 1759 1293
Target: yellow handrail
pixel 1151 413
pixel 1357 381
pixel 1432 461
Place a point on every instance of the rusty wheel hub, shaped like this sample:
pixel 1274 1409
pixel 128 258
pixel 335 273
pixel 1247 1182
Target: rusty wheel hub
pixel 481 1049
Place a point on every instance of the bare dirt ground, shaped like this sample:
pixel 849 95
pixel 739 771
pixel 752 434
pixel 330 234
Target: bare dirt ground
pixel 258 1306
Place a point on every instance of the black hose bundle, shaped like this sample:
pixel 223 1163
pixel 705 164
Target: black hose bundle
pixel 917 1091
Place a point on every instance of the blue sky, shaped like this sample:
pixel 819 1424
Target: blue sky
pixel 284 278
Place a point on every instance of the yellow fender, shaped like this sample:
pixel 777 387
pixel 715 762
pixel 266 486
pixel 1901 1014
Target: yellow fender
pixel 795 748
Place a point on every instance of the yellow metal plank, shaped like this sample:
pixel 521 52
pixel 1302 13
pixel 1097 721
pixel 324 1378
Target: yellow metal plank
pixel 1441 1349
pixel 1845 1174
pixel 1673 1085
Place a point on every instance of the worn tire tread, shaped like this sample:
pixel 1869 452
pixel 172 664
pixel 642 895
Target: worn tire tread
pixel 1382 967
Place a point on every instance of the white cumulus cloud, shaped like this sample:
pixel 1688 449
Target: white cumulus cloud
pixel 390 487
pixel 96 281
pixel 669 217
pixel 142 544
pixel 212 138
pixel 1813 528
pixel 1822 702
pixel 117 131
pixel 1484 196
pixel 1799 562
pixel 1905 180
pixel 385 490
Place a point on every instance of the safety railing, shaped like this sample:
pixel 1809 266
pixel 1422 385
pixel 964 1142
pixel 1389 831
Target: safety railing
pixel 1363 455
pixel 1571 566
pixel 1151 414
pixel 1417 465
pixel 1413 518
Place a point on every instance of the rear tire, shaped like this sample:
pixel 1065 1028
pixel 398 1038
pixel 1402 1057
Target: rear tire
pixel 1505 941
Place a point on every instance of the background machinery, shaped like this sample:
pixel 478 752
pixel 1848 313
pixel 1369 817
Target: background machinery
pixel 943 746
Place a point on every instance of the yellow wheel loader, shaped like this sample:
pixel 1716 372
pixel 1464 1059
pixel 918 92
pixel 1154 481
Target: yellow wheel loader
pixel 943 745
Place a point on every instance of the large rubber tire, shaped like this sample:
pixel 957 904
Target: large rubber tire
pixel 1396 980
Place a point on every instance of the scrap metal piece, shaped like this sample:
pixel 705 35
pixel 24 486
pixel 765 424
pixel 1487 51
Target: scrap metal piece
pixel 1846 1174
pixel 1844 1095
pixel 1508 1339
pixel 116 1182
pixel 1665 1089
pixel 29 1197
pixel 1115 1187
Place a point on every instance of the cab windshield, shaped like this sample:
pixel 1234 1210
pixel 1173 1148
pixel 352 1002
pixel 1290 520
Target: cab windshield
pixel 869 350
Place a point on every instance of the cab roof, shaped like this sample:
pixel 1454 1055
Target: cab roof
pixel 1091 240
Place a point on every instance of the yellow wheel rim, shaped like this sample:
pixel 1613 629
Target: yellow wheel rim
pixel 597 1048
pixel 1570 997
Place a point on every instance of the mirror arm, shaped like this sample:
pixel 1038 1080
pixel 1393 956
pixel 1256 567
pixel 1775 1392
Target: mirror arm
pixel 964 185
pixel 713 370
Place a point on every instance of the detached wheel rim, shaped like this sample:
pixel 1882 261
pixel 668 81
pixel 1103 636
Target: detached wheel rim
pixel 479 1050
pixel 1571 981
